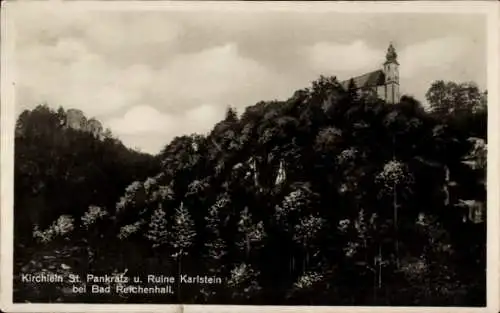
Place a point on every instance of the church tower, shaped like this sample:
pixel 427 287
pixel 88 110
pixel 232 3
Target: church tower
pixel 391 72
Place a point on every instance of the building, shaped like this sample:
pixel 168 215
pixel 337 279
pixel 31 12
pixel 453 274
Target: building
pixel 383 83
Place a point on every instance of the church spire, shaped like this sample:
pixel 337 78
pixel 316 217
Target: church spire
pixel 391 73
pixel 391 56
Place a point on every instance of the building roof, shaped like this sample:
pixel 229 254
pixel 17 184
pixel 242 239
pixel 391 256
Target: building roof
pixel 372 79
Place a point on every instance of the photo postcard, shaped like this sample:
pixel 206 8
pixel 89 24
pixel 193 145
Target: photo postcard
pixel 264 156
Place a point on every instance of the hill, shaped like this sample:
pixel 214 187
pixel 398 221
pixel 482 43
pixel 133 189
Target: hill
pixel 63 170
pixel 327 198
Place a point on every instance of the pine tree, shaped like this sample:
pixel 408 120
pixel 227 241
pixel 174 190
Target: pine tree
pixel 215 245
pixel 183 232
pixel 157 231
pixel 182 237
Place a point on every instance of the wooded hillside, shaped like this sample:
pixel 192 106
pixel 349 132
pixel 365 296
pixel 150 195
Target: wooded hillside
pixel 327 198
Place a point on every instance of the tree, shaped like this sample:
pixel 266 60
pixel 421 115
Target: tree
pixel 231 115
pixel 214 243
pixel 306 286
pixel 353 91
pixel 243 282
pixel 251 234
pixel 157 231
pixel 305 233
pixel 181 237
pixel 93 223
pixel 396 180
pixel 62 227
pixel 448 97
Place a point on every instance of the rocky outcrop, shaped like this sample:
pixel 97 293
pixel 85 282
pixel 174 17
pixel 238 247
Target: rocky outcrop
pixel 94 127
pixel 75 119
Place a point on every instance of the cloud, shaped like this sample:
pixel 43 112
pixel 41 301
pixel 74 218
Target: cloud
pixel 186 93
pixel 147 119
pixel 99 62
pixel 435 54
pixel 142 119
pixel 145 142
pixel 71 75
pixel 136 29
pixel 216 75
pixel 338 59
pixel 201 119
pixel 143 126
pixel 106 31
pixel 451 58
pixel 439 54
pixel 153 75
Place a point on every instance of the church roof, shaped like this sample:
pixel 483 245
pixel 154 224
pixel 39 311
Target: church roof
pixel 372 79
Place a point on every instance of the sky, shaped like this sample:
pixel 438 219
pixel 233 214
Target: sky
pixel 152 75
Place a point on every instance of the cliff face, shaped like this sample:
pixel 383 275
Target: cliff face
pixel 75 119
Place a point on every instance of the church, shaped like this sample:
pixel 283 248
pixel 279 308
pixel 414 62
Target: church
pixel 383 83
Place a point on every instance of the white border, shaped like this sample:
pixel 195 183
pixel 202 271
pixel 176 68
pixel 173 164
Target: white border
pixel 493 172
pixel 490 9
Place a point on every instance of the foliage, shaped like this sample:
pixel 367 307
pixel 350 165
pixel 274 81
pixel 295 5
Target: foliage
pixel 92 215
pixel 448 97
pixel 182 234
pixel 61 227
pixel 157 232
